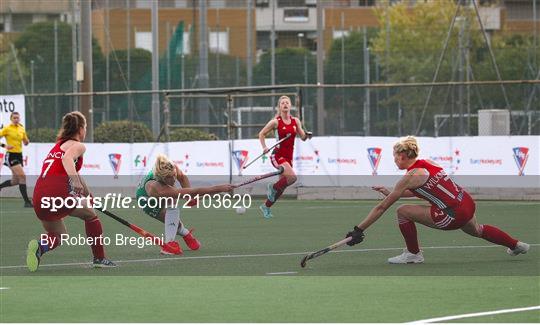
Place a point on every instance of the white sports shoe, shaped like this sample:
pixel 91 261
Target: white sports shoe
pixel 521 248
pixel 407 258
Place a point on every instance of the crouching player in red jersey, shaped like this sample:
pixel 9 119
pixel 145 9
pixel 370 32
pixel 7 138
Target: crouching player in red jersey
pixel 160 183
pixel 289 126
pixel 60 179
pixel 450 207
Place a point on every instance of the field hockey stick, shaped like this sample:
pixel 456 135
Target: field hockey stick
pixel 260 177
pixel 324 251
pixel 136 229
pixel 262 154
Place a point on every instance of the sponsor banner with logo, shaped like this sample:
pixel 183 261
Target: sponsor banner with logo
pixel 497 155
pixel 10 104
pixel 107 159
pixel 317 156
pixel 201 157
pixel 320 156
pixel 31 162
pixel 143 156
pixel 244 151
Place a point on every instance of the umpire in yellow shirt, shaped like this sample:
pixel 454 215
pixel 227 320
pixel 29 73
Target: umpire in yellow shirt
pixel 15 136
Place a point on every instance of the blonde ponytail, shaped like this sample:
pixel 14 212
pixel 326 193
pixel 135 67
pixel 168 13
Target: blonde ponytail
pixel 407 145
pixel 163 168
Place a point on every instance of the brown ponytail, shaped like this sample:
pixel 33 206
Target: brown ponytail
pixel 71 124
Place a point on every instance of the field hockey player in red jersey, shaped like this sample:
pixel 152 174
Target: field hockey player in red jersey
pixel 60 178
pixel 286 127
pixel 450 206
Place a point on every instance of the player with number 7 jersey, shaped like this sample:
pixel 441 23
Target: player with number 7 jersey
pixel 53 181
pixel 59 184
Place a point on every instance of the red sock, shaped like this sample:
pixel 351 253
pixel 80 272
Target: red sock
pixel 408 230
pixel 49 242
pixel 497 236
pixel 281 184
pixel 94 230
pixel 269 203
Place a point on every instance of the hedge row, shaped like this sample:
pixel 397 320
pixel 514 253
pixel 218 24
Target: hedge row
pixel 124 131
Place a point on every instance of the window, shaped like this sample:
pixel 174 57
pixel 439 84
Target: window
pixel 263 41
pixel 262 3
pixel 144 4
pixel 295 15
pixel 182 3
pixel 216 4
pixel 291 3
pixel 20 21
pixel 219 42
pixel 166 3
pixel 366 3
pixel 143 40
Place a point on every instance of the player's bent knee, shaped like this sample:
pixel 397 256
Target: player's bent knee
pixel 403 211
pixel 291 179
pixel 86 214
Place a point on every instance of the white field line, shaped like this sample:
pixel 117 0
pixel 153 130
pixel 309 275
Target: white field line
pixel 280 273
pixel 255 255
pixel 4 288
pixel 486 313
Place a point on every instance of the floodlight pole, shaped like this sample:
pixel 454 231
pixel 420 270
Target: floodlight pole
pixel 87 102
pixel 155 70
pixel 320 68
pixel 202 77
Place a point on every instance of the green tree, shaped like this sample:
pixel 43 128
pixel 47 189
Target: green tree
pixel 514 57
pixel 36 44
pixel 289 67
pixel 122 131
pixel 11 81
pixel 42 135
pixel 416 41
pixel 186 134
pixel 345 64
pixel 140 63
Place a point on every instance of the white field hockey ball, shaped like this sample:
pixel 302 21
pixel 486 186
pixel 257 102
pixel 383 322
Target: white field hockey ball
pixel 241 210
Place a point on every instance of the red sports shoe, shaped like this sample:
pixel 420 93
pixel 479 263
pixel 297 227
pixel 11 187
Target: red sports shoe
pixel 192 202
pixel 171 248
pixel 191 241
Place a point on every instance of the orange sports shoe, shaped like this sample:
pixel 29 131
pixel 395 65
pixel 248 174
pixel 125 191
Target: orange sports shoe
pixel 191 241
pixel 171 248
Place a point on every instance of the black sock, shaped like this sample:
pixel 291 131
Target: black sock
pixel 5 184
pixel 22 188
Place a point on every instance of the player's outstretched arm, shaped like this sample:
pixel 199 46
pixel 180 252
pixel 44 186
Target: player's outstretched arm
pixel 206 190
pixel 384 191
pixel 157 189
pixel 272 124
pixel 304 135
pixel 413 179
